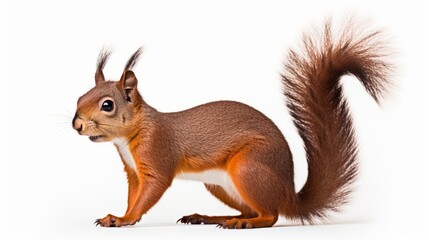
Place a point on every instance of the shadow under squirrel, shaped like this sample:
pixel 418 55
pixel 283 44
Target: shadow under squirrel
pixel 237 152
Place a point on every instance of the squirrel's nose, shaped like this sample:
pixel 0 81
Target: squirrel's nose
pixel 77 123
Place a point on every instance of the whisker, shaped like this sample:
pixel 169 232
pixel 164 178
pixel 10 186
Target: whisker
pixel 60 122
pixel 67 111
pixel 60 128
pixel 65 123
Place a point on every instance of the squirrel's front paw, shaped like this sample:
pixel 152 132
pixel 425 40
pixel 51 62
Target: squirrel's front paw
pixel 113 221
pixel 108 221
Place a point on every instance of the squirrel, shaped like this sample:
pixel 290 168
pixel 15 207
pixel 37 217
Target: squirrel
pixel 239 154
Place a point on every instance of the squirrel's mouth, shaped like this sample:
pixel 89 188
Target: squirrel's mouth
pixel 95 138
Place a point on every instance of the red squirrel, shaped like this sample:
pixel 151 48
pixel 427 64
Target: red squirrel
pixel 239 154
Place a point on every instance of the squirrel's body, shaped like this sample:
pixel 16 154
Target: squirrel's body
pixel 239 153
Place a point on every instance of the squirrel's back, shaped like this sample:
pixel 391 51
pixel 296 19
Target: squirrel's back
pixel 219 129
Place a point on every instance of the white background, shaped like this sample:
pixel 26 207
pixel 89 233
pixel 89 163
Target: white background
pixel 57 183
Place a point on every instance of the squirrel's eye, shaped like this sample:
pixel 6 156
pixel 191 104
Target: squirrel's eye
pixel 107 106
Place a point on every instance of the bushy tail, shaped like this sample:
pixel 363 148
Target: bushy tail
pixel 320 112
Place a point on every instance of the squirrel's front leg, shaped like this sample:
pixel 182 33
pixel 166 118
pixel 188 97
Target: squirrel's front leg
pixel 149 191
pixel 133 187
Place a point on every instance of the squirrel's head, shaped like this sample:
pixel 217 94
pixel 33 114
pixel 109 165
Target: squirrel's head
pixel 107 111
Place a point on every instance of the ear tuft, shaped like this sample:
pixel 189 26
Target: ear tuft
pixel 133 59
pixel 103 56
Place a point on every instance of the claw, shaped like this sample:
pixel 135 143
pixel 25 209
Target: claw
pixel 182 220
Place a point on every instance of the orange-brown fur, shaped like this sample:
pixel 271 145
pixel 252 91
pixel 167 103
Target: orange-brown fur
pixel 238 139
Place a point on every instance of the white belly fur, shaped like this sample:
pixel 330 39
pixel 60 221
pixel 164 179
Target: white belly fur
pixel 215 177
pixel 124 151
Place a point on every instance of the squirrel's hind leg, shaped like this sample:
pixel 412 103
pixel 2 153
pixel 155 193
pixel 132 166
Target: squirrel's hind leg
pixel 221 194
pixel 263 189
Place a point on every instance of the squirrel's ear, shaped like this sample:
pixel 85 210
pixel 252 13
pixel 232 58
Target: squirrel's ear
pixel 99 77
pixel 128 82
pixel 103 56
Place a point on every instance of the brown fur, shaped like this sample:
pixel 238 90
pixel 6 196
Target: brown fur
pixel 315 99
pixel 240 140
